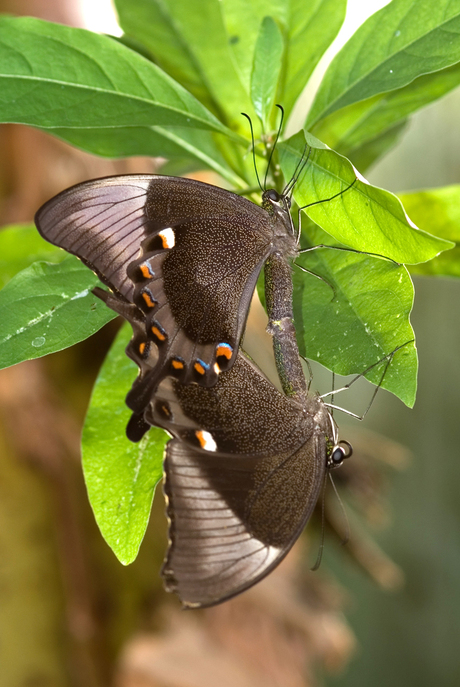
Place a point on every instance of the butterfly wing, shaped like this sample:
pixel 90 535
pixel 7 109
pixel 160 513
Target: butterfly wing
pixel 242 476
pixel 188 254
pixel 234 518
pixel 103 223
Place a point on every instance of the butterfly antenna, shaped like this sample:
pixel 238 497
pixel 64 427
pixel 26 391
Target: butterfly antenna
pixel 319 557
pixel 253 149
pixel 333 392
pixel 280 107
pixel 298 171
pixel 346 538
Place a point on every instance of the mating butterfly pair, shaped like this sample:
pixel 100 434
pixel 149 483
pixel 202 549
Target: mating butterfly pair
pixel 246 464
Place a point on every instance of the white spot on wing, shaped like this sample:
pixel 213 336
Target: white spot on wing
pixel 168 237
pixel 206 440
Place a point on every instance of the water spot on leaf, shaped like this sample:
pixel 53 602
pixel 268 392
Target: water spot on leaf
pixel 80 294
pixel 38 341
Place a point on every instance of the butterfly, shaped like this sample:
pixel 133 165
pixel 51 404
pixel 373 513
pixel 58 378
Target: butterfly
pixel 183 253
pixel 242 475
pixel 246 463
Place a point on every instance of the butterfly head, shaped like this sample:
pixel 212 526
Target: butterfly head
pixel 338 450
pixel 271 199
pixel 278 206
pixel 338 454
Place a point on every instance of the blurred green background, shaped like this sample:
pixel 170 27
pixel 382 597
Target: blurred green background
pixel 411 637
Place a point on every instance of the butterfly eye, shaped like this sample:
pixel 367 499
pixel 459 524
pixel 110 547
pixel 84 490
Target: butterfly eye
pixel 337 456
pixel 272 195
pixel 342 451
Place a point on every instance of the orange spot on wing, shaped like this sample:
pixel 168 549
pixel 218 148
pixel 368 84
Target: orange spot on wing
pixel 146 270
pixel 201 438
pixel 159 334
pixel 199 368
pixel 148 299
pixel 142 348
pixel 206 440
pixel 225 351
pixel 177 364
pixel 167 238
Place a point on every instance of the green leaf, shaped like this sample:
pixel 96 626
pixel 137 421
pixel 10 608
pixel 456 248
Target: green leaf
pixel 311 28
pixel 209 46
pixel 364 217
pixel 243 24
pixel 194 48
pixel 438 211
pixel 356 124
pixel 20 246
pixel 57 76
pixel 363 319
pixel 307 28
pixel 150 23
pixel 266 69
pixel 169 142
pixel 46 308
pixel 401 42
pixel 120 476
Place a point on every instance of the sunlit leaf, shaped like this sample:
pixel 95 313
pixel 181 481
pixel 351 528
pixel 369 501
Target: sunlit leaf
pixel 352 126
pixel 46 308
pixel 193 45
pixel 120 476
pixel 356 316
pixel 20 246
pixel 364 217
pixel 266 69
pixel 170 142
pixel 399 43
pixel 58 76
pixel 365 155
pixel 437 210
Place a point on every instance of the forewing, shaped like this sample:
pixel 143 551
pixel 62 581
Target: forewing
pixel 102 222
pixel 186 253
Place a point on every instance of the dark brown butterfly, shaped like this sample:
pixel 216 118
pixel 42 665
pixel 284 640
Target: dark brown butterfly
pixel 242 474
pixel 246 464
pixel 185 253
